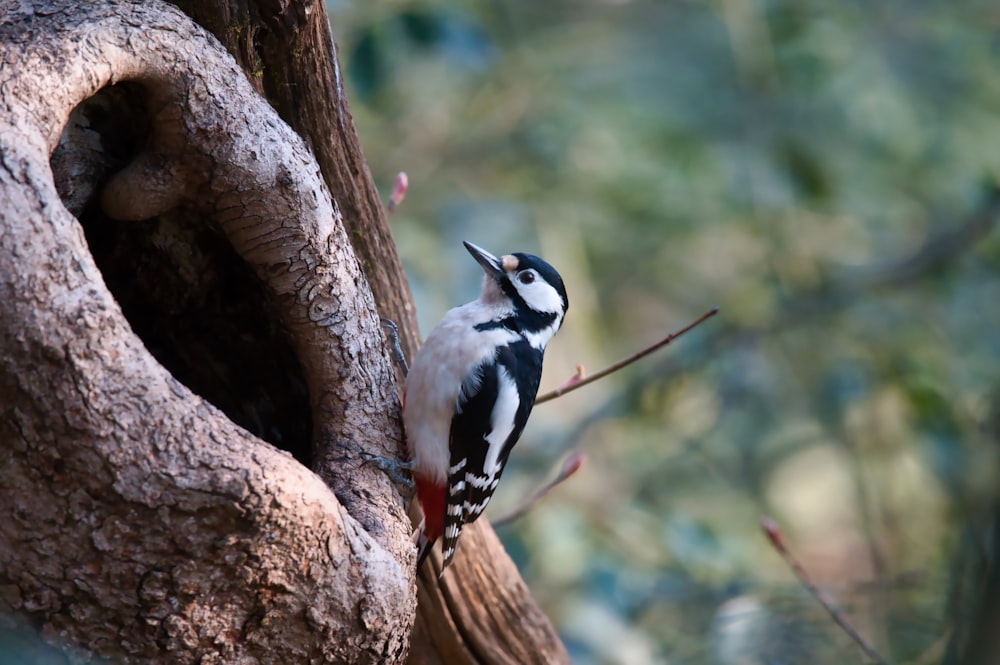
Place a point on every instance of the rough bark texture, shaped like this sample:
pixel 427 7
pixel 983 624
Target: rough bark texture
pixel 288 52
pixel 169 533
pixel 138 521
pixel 480 611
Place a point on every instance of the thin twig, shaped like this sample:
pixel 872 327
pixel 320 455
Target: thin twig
pixel 569 467
pixel 573 385
pixel 773 533
pixel 941 250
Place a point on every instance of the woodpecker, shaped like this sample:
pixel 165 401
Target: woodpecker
pixel 471 387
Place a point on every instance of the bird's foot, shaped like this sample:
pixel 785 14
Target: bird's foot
pixel 393 467
pixel 395 349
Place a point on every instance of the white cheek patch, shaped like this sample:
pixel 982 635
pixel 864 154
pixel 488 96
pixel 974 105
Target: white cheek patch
pixel 540 296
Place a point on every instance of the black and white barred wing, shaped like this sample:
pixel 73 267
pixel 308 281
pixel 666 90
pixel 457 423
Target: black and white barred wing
pixel 488 421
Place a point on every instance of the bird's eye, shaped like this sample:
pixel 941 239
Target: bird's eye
pixel 526 277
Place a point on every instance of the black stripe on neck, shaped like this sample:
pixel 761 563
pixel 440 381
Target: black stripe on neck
pixel 525 321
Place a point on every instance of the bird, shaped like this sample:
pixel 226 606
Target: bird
pixel 470 389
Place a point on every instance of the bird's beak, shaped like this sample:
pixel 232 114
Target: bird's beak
pixel 493 266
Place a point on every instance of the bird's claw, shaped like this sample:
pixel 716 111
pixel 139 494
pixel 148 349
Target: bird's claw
pixel 392 467
pixel 395 348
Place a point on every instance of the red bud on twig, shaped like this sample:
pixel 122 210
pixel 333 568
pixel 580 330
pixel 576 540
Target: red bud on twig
pixel 399 188
pixel 581 372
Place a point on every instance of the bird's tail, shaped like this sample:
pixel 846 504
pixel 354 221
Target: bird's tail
pixel 424 545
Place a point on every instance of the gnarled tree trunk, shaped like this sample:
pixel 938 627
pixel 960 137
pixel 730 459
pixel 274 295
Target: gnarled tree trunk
pixel 179 291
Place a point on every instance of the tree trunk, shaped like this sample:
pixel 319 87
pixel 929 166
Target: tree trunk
pixel 178 290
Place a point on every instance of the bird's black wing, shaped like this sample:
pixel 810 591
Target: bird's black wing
pixel 492 410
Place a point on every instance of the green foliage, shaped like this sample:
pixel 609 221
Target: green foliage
pixel 824 172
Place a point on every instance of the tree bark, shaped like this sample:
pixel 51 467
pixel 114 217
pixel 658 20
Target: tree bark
pixel 140 522
pixel 288 52
pixel 169 530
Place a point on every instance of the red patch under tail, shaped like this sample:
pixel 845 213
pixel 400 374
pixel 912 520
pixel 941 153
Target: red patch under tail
pixel 431 497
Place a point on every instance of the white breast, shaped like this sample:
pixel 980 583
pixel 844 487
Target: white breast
pixel 452 351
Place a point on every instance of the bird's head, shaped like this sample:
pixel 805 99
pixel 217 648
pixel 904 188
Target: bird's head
pixel 525 284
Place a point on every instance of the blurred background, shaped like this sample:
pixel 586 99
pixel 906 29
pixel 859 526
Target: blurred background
pixel 823 171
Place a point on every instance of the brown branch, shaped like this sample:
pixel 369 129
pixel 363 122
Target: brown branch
pixel 573 463
pixel 942 249
pixel 569 467
pixel 773 533
pixel 573 385
pixel 485 625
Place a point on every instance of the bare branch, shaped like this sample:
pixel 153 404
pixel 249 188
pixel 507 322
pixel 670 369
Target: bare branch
pixel 569 467
pixel 773 533
pixel 572 385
